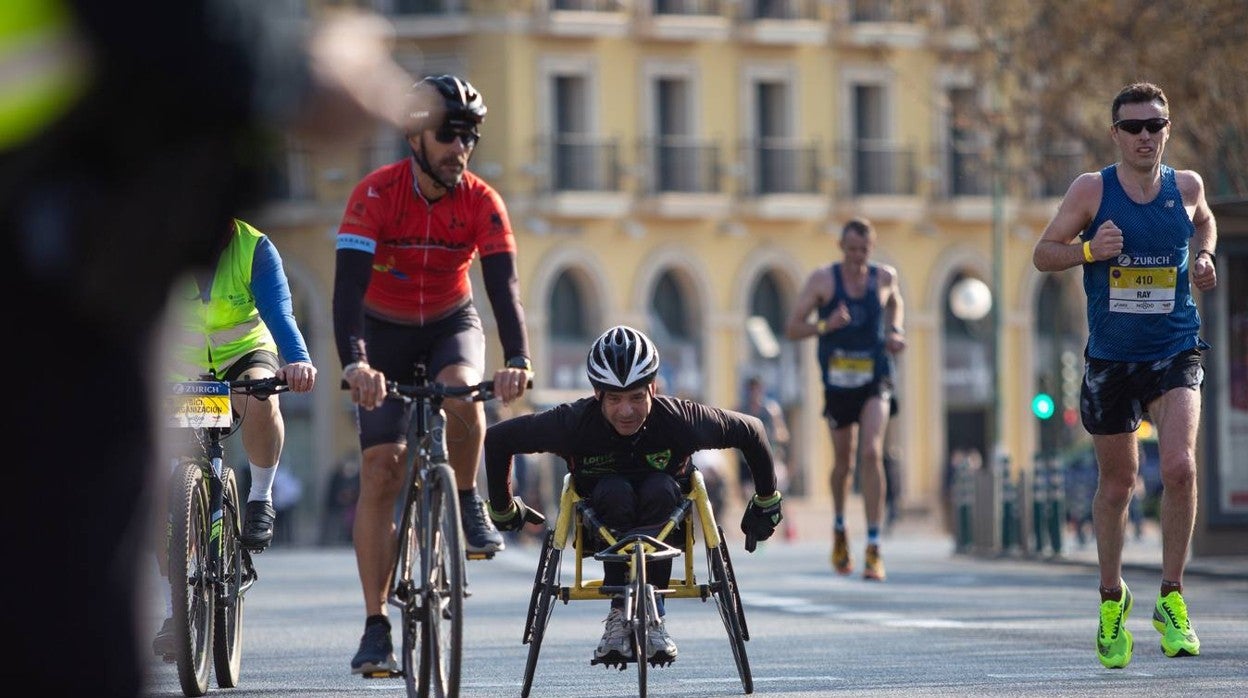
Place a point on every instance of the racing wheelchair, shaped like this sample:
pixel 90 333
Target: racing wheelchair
pixel 577 522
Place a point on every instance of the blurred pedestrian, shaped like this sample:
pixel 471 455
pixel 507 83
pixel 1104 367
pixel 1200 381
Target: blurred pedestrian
pixel 128 132
pixel 340 496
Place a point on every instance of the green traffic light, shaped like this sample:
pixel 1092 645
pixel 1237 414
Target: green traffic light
pixel 1042 405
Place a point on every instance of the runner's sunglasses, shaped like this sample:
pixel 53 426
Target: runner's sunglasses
pixel 1134 126
pixel 447 134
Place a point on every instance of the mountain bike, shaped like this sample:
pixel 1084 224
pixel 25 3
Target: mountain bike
pixel 209 569
pixel 429 583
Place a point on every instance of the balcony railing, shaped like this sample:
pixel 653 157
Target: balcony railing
pixel 885 11
pixel 682 164
pixel 1058 168
pixel 582 162
pixel 965 169
pixel 782 166
pixel 781 9
pixel 700 8
pixel 426 7
pixel 290 177
pixel 588 5
pixel 879 167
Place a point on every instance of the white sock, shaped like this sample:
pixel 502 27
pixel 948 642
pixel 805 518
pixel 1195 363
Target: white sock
pixel 261 483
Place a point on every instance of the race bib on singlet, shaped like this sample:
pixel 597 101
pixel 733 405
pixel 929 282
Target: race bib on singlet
pixel 1142 289
pixel 850 370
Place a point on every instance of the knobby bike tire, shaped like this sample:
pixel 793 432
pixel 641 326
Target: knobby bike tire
pixel 541 604
pixel 189 586
pixel 641 610
pixel 406 592
pixel 227 634
pixel 444 583
pixel 723 586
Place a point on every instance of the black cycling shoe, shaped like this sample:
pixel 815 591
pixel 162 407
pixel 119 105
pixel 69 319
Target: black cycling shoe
pixel 480 536
pixel 164 644
pixel 258 525
pixel 376 653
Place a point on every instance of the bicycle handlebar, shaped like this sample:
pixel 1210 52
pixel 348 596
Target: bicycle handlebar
pixel 750 542
pixel 259 387
pixel 481 392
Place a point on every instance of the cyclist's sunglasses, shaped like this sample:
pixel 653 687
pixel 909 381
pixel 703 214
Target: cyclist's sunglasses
pixel 1134 126
pixel 448 134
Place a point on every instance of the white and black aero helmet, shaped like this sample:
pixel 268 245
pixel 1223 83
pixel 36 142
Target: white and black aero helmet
pixel 446 102
pixel 622 358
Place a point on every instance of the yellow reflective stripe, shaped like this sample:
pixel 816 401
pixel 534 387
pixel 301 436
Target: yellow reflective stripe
pixel 43 67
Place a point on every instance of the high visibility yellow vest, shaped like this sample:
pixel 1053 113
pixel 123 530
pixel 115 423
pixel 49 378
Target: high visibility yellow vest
pixel 216 332
pixel 43 67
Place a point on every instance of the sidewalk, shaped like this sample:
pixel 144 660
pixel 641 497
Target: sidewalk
pixel 810 521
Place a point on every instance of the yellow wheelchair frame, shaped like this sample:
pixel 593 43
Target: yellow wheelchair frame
pixel 575 520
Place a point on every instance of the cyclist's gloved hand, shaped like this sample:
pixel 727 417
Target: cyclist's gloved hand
pixel 761 517
pixel 513 517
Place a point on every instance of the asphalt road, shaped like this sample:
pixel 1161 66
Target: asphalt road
pixel 943 624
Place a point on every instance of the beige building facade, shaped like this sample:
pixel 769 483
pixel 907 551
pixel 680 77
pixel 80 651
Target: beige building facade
pixel 682 167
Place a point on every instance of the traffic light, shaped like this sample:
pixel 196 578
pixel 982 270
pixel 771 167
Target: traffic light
pixel 1042 405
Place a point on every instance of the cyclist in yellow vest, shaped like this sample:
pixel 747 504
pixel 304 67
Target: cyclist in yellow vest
pixel 236 320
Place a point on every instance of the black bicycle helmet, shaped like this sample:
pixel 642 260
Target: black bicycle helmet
pixel 446 101
pixel 622 358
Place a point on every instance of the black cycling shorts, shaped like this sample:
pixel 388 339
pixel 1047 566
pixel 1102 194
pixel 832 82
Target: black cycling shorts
pixel 1116 394
pixel 394 349
pixel 259 357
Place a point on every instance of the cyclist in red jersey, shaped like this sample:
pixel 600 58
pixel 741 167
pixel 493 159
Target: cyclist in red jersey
pixel 402 294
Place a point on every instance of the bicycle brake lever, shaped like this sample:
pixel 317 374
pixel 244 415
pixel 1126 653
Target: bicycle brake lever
pixel 750 542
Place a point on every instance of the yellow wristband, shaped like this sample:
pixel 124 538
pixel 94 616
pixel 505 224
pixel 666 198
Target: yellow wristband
pixel 821 327
pixel 1087 252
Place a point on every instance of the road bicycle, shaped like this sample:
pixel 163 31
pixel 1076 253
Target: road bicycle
pixel 578 522
pixel 429 584
pixel 209 569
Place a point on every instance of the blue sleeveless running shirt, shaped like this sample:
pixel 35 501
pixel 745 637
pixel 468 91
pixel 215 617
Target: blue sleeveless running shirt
pixel 1140 305
pixel 854 355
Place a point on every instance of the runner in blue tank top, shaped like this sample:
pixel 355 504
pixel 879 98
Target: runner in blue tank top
pixel 858 315
pixel 1144 235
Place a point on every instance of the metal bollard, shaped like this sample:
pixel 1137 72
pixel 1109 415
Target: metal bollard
pixel 1056 506
pixel 1009 517
pixel 964 495
pixel 1039 498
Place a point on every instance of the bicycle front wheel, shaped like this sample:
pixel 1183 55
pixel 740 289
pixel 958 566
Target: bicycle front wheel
pixel 406 595
pixel 227 634
pixel 444 583
pixel 188 575
pixel 643 612
pixel 723 585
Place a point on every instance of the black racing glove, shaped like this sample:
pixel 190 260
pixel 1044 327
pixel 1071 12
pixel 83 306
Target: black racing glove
pixel 761 517
pixel 515 516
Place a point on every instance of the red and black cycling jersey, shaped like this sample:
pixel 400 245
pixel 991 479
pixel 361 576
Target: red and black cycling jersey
pixel 406 259
pixel 578 433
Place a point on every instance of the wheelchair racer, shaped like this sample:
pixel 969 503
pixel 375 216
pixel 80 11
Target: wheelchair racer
pixel 628 450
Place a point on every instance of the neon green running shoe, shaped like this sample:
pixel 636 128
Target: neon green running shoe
pixel 1170 619
pixel 1113 640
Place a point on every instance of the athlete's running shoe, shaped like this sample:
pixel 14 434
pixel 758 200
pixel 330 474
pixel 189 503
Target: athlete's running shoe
pixel 1113 640
pixel 840 554
pixel 660 646
pixel 376 653
pixel 1170 619
pixel 616 645
pixel 873 568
